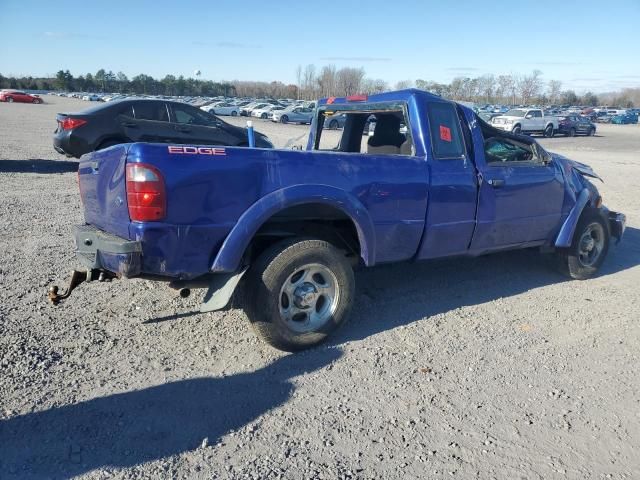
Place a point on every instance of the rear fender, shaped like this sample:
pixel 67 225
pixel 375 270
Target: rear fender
pixel 230 254
pixel 565 236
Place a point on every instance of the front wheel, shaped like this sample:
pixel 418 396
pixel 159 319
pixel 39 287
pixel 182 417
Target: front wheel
pixel 592 132
pixel 517 130
pixel 572 132
pixel 298 292
pixel 284 119
pixel 10 100
pixel 589 247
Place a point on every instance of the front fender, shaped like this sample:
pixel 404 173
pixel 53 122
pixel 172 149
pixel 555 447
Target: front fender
pixel 565 236
pixel 230 254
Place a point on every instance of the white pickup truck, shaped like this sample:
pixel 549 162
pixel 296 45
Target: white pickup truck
pixel 526 120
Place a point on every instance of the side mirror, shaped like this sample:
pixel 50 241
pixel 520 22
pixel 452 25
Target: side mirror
pixel 528 116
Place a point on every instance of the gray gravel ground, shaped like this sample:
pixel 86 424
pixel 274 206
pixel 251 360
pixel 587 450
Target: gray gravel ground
pixel 494 367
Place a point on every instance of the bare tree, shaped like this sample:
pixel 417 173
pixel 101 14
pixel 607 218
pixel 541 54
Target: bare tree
pixel 327 80
pixel 486 86
pixel 530 85
pixel 349 80
pixel 299 79
pixel 371 85
pixel 404 84
pixel 309 82
pixel 555 87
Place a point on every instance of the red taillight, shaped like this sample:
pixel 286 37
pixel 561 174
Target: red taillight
pixel 357 98
pixel 145 193
pixel 70 123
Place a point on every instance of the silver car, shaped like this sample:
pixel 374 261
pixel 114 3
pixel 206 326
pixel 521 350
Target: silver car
pixel 295 114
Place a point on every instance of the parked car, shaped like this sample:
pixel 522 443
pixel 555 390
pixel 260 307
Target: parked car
pixel 266 112
pixel 138 120
pixel 293 115
pixel 247 109
pixel 18 96
pixel 292 224
pixel 571 125
pixel 623 119
pixel 335 121
pixel 92 97
pixel 526 120
pixel 487 116
pixel 222 108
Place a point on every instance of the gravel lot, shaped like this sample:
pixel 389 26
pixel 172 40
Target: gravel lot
pixel 494 367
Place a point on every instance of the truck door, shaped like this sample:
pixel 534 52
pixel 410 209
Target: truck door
pixel 520 197
pixel 453 188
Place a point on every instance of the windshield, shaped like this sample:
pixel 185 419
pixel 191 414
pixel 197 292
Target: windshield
pixel 515 113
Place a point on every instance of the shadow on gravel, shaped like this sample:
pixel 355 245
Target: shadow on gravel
pixel 396 295
pixel 38 166
pixel 175 316
pixel 131 428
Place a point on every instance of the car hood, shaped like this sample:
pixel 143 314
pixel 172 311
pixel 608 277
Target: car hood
pixel 509 117
pixel 571 165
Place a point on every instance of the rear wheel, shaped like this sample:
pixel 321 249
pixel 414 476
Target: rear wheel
pixel 263 116
pixel 589 247
pixel 548 132
pixel 234 113
pixel 333 124
pixel 299 291
pixel 35 100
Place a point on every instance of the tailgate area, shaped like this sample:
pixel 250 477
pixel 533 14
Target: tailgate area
pixel 102 182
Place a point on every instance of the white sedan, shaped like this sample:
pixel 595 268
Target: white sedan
pixel 223 109
pixel 266 112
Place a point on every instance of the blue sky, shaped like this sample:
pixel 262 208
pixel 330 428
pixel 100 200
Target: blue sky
pixel 585 44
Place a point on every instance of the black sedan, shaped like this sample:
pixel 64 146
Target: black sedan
pixel 138 120
pixel 572 125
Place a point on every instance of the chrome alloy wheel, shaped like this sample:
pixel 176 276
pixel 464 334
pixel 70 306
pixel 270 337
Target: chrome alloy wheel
pixel 591 244
pixel 309 298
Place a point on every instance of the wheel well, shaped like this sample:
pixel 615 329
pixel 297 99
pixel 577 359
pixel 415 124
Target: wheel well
pixel 316 220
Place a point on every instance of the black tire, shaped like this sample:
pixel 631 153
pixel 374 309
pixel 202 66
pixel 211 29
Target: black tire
pixel 284 119
pixel 517 130
pixel 266 297
pixel 234 113
pixel 592 132
pixel 263 116
pixel 110 143
pixel 333 125
pixel 548 131
pixel 572 260
pixel 572 132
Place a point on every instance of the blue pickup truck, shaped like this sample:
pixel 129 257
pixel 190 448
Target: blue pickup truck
pixel 287 227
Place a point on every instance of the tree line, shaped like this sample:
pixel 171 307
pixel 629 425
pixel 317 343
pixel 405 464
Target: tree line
pixel 327 81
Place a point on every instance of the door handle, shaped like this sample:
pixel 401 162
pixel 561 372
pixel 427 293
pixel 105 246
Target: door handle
pixel 496 182
pixel 130 124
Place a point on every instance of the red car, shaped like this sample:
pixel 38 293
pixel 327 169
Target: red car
pixel 18 96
